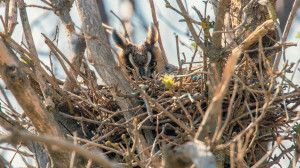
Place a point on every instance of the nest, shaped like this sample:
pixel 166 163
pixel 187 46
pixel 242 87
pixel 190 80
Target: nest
pixel 251 96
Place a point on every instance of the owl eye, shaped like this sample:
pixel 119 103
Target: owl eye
pixel 154 64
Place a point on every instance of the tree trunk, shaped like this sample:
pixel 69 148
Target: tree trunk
pixel 257 14
pixel 101 57
pixel 43 121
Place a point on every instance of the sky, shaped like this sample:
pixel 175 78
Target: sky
pixel 45 22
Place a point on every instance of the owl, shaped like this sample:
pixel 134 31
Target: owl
pixel 144 58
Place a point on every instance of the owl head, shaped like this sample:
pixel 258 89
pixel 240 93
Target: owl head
pixel 144 58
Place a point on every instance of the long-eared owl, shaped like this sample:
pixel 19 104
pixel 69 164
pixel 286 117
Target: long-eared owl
pixel 144 58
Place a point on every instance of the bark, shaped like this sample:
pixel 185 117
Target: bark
pixel 41 155
pixel 43 121
pixel 283 8
pixel 58 159
pixel 77 49
pixel 96 156
pixel 31 47
pixel 76 43
pixel 256 15
pixel 215 55
pixel 103 15
pixel 12 17
pixel 101 57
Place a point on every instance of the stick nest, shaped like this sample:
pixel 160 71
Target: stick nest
pixel 186 98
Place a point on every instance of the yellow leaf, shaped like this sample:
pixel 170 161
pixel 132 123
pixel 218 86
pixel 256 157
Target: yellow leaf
pixel 115 145
pixel 203 24
pixel 23 61
pixel 108 143
pixel 193 45
pixel 168 81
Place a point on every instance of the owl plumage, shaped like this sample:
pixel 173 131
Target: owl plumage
pixel 144 58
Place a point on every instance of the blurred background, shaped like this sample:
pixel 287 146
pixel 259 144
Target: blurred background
pixel 137 16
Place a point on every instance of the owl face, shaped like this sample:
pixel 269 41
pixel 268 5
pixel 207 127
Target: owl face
pixel 144 58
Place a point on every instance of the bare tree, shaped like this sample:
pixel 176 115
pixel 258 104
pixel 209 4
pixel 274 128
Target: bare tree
pixel 221 113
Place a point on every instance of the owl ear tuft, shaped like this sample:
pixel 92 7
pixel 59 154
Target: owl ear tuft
pixel 152 35
pixel 119 39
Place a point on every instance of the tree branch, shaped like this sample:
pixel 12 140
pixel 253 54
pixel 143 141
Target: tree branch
pixel 100 54
pixel 61 145
pixel 217 37
pixel 15 79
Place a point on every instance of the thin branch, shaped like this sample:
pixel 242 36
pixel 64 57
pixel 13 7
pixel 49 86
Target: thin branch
pixel 123 24
pixel 215 106
pixel 190 26
pixel 286 32
pixel 34 56
pixel 217 37
pixel 245 11
pixel 38 6
pixel 158 30
pixel 63 145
